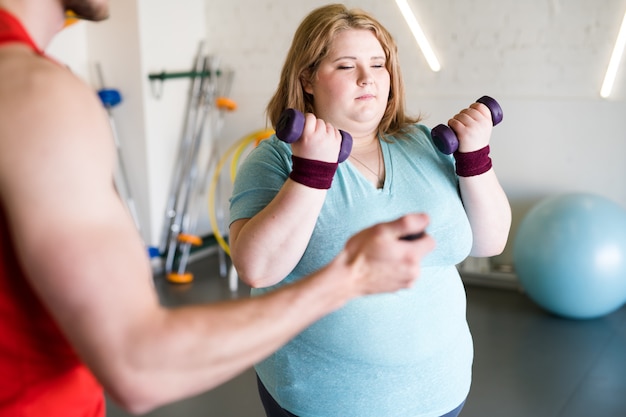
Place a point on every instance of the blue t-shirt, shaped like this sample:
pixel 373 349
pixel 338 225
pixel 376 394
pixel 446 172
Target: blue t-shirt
pixel 405 354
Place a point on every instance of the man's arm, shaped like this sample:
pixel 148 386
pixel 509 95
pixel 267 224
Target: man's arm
pixel 86 261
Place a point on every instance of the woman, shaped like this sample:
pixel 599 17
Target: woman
pixel 293 207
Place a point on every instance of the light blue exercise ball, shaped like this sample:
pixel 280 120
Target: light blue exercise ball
pixel 570 255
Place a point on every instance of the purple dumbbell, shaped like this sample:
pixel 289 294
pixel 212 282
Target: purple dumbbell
pixel 445 139
pixel 291 124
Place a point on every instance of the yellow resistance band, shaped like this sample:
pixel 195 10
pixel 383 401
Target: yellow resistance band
pixel 237 150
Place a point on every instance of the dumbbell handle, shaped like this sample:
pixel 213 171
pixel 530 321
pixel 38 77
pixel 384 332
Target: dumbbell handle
pixel 445 139
pixel 414 236
pixel 291 124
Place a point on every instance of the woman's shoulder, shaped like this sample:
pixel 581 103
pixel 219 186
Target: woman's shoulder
pixel 268 157
pixel 271 147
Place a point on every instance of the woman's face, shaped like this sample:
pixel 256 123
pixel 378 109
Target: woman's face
pixel 351 86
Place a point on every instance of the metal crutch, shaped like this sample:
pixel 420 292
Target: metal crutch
pixel 210 124
pixel 185 189
pixel 182 157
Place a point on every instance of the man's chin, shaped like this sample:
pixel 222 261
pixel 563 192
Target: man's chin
pixel 92 11
pixel 89 17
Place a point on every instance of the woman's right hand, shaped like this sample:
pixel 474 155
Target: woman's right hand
pixel 320 140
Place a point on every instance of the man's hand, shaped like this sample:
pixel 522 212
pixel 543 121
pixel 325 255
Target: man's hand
pixel 385 262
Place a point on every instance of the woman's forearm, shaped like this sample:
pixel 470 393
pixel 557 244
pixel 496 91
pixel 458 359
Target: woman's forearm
pixel 489 213
pixel 268 246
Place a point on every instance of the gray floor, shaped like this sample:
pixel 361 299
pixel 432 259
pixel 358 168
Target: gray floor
pixel 527 362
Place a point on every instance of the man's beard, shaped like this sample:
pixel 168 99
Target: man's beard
pixel 93 10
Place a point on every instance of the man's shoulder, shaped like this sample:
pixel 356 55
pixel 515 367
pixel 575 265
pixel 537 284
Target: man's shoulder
pixel 19 64
pixel 32 86
pixel 42 101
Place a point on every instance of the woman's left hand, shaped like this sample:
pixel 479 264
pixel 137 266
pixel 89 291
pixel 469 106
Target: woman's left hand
pixel 472 127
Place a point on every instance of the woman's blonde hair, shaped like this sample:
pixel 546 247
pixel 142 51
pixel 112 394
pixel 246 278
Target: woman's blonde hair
pixel 311 44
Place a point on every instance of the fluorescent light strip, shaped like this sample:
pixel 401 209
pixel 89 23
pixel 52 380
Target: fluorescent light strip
pixel 427 51
pixel 616 57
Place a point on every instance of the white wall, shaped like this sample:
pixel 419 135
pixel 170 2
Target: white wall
pixel 544 60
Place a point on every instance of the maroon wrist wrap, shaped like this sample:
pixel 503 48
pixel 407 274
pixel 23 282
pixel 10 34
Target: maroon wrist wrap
pixel 312 173
pixel 472 163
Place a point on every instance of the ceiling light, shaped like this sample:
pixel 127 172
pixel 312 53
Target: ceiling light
pixel 427 51
pixel 616 57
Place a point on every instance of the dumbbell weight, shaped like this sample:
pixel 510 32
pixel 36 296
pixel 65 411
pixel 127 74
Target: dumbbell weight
pixel 291 124
pixel 444 137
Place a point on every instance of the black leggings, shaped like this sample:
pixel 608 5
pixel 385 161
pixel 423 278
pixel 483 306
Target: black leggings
pixel 272 409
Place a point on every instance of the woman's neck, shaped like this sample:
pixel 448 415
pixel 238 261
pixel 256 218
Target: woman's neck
pixel 365 144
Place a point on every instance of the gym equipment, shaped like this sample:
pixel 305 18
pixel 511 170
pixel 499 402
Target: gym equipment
pixel 291 124
pixel 195 73
pixel 110 98
pixel 570 255
pixel 206 106
pixel 235 150
pixel 444 137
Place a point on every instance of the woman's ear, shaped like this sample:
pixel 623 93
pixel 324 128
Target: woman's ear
pixel 307 86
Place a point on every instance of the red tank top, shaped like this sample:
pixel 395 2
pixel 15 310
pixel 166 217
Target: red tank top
pixel 40 374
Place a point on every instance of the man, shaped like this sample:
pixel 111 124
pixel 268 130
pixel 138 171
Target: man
pixel 78 311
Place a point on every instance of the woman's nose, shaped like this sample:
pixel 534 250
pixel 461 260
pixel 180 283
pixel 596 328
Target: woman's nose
pixel 365 77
